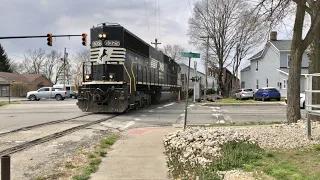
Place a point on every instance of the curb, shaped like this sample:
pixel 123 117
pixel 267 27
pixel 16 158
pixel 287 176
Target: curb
pixel 244 104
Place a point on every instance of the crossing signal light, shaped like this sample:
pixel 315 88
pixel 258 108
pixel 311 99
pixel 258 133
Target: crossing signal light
pixel 84 39
pixel 49 39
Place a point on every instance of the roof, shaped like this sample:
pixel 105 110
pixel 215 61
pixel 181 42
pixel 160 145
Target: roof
pixel 280 45
pixel 246 68
pixel 257 55
pixel 26 78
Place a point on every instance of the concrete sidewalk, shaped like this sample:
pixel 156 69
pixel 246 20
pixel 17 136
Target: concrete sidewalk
pixel 137 155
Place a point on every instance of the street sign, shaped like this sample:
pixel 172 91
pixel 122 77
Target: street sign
pixel 190 55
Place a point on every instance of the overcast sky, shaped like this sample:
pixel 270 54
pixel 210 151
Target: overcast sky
pixel 39 17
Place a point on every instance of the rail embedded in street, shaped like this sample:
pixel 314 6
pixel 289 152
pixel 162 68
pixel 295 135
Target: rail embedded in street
pixel 56 135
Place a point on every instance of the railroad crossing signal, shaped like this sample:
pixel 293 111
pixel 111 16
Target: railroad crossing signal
pixel 84 39
pixel 49 39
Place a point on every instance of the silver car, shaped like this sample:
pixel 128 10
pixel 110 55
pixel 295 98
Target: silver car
pixel 244 94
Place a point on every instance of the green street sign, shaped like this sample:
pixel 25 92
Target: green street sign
pixel 190 55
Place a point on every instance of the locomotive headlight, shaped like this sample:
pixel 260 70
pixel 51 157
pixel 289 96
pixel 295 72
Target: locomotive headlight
pixel 87 76
pixel 111 76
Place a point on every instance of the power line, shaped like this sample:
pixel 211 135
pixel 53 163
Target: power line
pixel 159 20
pixel 155 17
pixel 145 7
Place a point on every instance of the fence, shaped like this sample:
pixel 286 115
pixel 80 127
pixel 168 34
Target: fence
pixel 311 109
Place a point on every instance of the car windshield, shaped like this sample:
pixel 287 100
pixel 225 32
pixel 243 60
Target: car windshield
pixel 247 90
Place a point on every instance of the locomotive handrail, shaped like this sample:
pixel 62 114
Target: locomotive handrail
pixel 125 68
pixel 134 78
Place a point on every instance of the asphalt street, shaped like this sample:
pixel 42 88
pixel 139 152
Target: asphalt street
pixel 171 113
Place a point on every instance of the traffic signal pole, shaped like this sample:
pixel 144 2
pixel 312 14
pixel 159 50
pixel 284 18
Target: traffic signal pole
pixel 50 36
pixel 23 37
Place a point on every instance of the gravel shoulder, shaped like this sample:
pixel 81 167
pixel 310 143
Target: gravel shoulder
pixel 49 160
pixel 202 145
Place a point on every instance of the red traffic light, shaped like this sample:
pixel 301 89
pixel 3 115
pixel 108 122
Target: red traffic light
pixel 84 39
pixel 49 39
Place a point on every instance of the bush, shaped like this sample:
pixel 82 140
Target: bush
pixel 234 154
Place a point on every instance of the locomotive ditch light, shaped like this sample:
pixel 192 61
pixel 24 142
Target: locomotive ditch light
pixel 87 76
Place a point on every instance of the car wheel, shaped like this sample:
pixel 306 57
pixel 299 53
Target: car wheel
pixel 262 98
pixel 33 97
pixel 58 97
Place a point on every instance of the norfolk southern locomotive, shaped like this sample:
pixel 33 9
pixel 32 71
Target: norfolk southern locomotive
pixel 125 73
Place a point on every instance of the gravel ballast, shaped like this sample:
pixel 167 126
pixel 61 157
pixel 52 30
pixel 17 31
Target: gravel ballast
pixel 202 144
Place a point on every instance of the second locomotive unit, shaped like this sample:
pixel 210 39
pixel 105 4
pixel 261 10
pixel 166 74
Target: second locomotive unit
pixel 125 73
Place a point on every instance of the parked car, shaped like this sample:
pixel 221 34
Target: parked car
pixel 46 92
pixel 69 88
pixel 244 94
pixel 302 99
pixel 267 93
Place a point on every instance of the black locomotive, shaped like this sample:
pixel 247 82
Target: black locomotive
pixel 125 72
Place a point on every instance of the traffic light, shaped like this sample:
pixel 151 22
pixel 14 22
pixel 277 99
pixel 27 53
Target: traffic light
pixel 84 39
pixel 49 39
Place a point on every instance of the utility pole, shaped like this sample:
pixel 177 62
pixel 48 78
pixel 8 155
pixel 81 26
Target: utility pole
pixel 155 43
pixel 64 68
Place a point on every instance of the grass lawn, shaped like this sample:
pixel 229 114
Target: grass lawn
pixel 2 103
pixel 297 164
pixel 232 100
pixel 294 164
pixel 246 124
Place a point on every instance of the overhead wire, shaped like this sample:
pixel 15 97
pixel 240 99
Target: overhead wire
pixel 155 17
pixel 145 7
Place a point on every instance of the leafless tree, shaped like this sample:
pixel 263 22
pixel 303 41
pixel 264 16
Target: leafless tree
pixel 250 33
pixel 232 29
pixel 173 51
pixel 34 61
pixel 81 59
pixel 51 65
pixel 275 10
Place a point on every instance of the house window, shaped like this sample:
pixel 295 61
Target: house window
pixel 267 82
pixel 257 66
pixel 284 84
pixel 257 84
pixel 288 60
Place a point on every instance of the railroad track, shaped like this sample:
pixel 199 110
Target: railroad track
pixel 47 138
pixel 42 124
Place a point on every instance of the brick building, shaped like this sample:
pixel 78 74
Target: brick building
pixel 20 84
pixel 231 82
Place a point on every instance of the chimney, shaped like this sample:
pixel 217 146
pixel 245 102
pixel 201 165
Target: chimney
pixel 273 36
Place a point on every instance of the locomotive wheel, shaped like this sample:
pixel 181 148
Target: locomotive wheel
pixel 142 102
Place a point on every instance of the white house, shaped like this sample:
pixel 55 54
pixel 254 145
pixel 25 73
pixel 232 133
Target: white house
pixel 270 67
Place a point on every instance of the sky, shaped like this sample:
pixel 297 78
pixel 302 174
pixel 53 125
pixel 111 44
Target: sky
pixel 166 20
